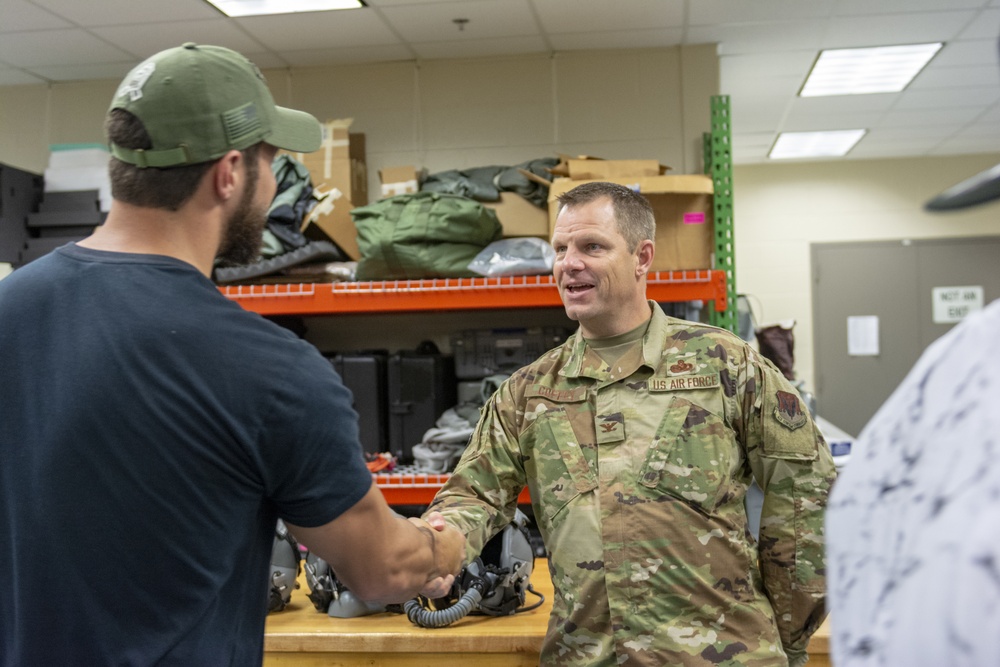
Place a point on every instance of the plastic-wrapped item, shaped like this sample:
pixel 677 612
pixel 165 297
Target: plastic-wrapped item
pixel 514 257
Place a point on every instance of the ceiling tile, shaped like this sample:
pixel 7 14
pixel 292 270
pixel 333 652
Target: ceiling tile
pixel 84 72
pixel 987 131
pixel 991 115
pixel 967 146
pixel 123 12
pixel 144 43
pixel 971 52
pixel 395 3
pixel 986 26
pixel 844 104
pixel 319 30
pixel 711 12
pixel 897 134
pixel 75 46
pixel 957 97
pixel 892 29
pixel 920 117
pixel 19 15
pixel 358 54
pixel 773 37
pixel 565 16
pixel 481 47
pixel 846 7
pixel 973 76
pixel 486 19
pixel 633 39
pixel 802 122
pixel 16 77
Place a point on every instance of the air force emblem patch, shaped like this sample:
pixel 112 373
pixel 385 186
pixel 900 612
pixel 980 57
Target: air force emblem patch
pixel 789 412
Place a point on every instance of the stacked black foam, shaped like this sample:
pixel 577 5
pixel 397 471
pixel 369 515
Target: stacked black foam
pixel 62 217
pixel 20 192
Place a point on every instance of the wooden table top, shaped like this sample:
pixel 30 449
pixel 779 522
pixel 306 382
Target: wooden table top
pixel 301 628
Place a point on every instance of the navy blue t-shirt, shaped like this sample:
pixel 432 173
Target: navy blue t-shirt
pixel 151 433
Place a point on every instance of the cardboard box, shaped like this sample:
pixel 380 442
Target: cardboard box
pixel 519 217
pixel 399 181
pixel 611 170
pixel 684 213
pixel 330 220
pixel 561 170
pixel 340 162
pixel 590 167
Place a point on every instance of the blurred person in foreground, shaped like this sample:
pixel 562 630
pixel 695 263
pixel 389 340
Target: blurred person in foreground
pixel 914 521
pixel 637 439
pixel 152 431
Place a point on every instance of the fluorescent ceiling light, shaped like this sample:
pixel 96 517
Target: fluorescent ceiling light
pixel 261 7
pixel 835 143
pixel 880 69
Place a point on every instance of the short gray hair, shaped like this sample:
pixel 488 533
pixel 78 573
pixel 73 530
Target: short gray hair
pixel 633 214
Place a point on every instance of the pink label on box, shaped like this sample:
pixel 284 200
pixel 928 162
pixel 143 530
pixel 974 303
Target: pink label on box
pixel 694 218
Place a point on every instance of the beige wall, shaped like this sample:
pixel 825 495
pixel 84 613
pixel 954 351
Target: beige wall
pixel 779 209
pixel 447 114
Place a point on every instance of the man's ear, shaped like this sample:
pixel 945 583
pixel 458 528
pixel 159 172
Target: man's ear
pixel 644 257
pixel 226 175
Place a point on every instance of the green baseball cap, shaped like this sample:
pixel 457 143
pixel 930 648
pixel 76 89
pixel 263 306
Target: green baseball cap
pixel 197 102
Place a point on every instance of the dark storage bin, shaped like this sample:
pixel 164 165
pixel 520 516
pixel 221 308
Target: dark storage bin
pixel 421 387
pixel 364 373
pixel 482 352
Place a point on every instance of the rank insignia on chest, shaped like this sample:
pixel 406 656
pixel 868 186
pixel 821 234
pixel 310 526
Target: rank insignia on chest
pixel 789 412
pixel 610 428
pixel 683 383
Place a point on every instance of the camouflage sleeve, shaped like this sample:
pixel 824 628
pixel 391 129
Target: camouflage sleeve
pixel 792 464
pixel 480 497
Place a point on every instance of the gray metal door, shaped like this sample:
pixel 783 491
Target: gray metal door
pixel 892 281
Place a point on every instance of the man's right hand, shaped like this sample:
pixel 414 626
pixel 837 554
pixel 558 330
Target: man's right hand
pixel 449 546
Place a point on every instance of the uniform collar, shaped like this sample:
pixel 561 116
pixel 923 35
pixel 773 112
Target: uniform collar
pixel 584 362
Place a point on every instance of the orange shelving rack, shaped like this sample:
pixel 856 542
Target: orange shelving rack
pixel 455 294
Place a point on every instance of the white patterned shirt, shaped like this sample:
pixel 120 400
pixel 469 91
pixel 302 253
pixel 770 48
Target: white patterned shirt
pixel 913 524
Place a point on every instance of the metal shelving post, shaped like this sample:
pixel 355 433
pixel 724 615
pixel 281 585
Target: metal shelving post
pixel 719 165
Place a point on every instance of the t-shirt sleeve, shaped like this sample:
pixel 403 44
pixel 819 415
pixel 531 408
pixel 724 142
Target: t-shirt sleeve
pixel 313 466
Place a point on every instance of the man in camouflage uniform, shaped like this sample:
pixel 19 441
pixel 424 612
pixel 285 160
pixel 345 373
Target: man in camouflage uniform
pixel 637 439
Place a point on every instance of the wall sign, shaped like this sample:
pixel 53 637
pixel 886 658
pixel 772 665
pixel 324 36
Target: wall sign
pixel 862 336
pixel 953 304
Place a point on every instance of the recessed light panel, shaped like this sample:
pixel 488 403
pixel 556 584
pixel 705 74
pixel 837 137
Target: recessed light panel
pixel 879 69
pixel 836 143
pixel 262 7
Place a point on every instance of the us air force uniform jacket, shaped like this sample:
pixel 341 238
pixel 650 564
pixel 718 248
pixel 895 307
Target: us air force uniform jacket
pixel 637 477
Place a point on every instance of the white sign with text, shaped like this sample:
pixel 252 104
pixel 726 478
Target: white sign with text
pixel 953 304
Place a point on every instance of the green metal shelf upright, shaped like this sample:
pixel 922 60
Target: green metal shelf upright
pixel 718 164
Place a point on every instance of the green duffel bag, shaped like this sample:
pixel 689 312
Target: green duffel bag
pixel 422 235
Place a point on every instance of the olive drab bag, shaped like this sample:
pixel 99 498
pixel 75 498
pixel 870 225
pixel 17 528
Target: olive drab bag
pixel 422 235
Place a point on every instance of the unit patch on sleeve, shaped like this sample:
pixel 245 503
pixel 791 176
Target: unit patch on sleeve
pixel 789 412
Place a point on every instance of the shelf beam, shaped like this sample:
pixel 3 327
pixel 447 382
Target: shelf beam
pixel 419 488
pixel 443 294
